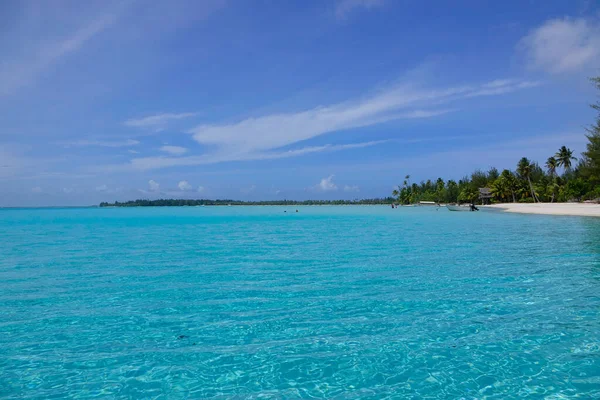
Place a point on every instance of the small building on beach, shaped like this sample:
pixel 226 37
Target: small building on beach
pixel 485 195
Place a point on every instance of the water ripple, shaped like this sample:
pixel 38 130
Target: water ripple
pixel 332 302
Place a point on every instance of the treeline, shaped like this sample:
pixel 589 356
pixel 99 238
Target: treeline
pixel 225 202
pixel 563 177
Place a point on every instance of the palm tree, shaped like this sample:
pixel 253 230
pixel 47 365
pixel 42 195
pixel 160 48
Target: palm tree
pixel 553 187
pixel 564 156
pixel 551 165
pixel 524 169
pixel 504 186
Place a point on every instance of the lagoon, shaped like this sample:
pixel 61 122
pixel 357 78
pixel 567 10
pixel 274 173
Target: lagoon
pixel 329 302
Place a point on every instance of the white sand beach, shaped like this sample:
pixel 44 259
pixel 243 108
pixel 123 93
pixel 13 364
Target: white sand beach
pixel 577 209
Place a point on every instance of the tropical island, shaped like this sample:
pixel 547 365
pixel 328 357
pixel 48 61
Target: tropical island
pixel 562 178
pixel 225 202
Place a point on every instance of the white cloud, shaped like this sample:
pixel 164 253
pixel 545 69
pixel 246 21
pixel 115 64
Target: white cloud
pixel 184 185
pixel 327 184
pixel 263 137
pixel 200 189
pixel 174 150
pixel 353 188
pixel 345 7
pixel 37 189
pixel 40 53
pixel 67 190
pixel 563 45
pixel 157 122
pixel 104 143
pixel 153 186
pixel 101 188
pixel 133 151
pixel 274 131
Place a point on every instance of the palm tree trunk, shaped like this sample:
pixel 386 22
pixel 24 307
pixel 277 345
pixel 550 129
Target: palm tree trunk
pixel 531 188
pixel 513 194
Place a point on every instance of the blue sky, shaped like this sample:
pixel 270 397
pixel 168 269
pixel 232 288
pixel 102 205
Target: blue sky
pixel 118 100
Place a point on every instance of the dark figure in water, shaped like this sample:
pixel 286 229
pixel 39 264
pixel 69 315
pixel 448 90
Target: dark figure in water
pixel 473 208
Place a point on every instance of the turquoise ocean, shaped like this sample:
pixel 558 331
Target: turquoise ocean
pixel 328 302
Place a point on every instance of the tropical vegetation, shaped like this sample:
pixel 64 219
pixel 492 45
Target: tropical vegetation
pixel 564 177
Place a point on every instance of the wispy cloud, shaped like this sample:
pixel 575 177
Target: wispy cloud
pixel 104 143
pixel 351 188
pixel 174 150
pixel 344 7
pixel 157 122
pixel 562 45
pixel 401 102
pixel 149 163
pixel 264 137
pixel 20 70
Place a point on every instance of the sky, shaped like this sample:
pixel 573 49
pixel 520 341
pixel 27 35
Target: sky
pixel 266 99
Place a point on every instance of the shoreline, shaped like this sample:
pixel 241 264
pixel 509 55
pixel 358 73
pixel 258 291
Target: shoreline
pixel 570 209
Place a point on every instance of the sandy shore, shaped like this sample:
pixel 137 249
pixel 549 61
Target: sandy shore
pixel 578 209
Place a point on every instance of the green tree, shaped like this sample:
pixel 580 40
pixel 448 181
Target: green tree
pixel 564 156
pixel 590 168
pixel 468 194
pixel 479 179
pixel 504 187
pixel 440 190
pixel 452 192
pixel 524 169
pixel 553 188
pixel 551 165
pixel 492 175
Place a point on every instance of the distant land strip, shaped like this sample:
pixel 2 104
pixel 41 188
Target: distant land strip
pixel 206 202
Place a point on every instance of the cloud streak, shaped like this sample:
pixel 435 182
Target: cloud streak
pixel 149 163
pixel 24 69
pixel 266 137
pixel 401 102
pixel 158 122
pixel 174 150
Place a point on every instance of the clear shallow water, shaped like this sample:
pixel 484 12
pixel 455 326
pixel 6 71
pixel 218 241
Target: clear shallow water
pixel 332 302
